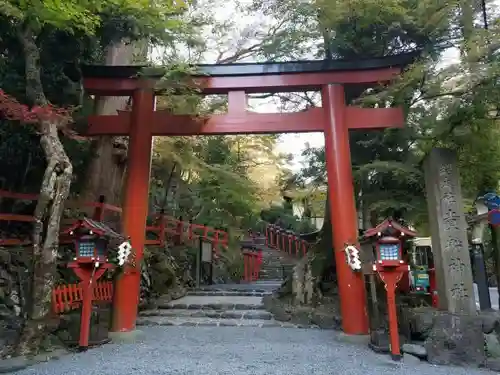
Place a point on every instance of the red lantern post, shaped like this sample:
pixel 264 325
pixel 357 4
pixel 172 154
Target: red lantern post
pixel 91 262
pixel 388 238
pixel 391 267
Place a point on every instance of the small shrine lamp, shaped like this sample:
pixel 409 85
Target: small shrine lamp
pixel 91 239
pixel 389 251
pixel 390 266
pixel 90 247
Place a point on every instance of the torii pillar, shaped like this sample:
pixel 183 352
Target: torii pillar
pixel 135 206
pixel 343 209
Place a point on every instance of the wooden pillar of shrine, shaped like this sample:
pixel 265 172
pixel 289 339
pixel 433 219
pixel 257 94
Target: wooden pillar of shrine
pixel 343 209
pixel 135 208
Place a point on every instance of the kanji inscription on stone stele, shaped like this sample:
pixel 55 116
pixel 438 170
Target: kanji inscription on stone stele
pixel 459 291
pixel 449 232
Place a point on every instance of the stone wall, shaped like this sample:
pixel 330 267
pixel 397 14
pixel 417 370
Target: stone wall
pixel 308 296
pixel 166 272
pixel 13 266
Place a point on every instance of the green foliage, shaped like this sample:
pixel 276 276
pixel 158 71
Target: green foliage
pixel 233 260
pixel 282 216
pixel 445 107
pixel 67 33
pixel 212 177
pixel 142 17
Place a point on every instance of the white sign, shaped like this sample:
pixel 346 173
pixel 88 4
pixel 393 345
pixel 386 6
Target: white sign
pixel 206 251
pixel 353 260
pixel 123 252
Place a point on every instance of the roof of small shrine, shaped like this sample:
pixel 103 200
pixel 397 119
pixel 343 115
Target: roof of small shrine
pixel 389 224
pixel 97 227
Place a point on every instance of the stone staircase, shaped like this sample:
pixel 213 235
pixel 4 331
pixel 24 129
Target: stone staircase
pixel 227 305
pixel 238 305
pixel 275 265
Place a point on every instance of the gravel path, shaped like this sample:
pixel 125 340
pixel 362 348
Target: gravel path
pixel 238 351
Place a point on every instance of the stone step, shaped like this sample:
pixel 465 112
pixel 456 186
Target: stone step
pixel 275 270
pixel 214 314
pixel 280 265
pixel 237 293
pixel 230 290
pixel 209 300
pixel 215 305
pixel 266 282
pixel 272 272
pixel 270 276
pixel 207 322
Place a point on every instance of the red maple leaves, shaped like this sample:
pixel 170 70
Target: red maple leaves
pixel 13 110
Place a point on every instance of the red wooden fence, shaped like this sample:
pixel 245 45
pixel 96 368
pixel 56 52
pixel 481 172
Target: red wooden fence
pixel 70 296
pixel 252 262
pixel 284 240
pixel 163 225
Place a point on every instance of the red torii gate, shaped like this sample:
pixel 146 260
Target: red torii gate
pixel 238 80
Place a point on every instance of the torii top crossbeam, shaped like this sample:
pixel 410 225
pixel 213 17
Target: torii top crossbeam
pixel 238 80
pixel 271 77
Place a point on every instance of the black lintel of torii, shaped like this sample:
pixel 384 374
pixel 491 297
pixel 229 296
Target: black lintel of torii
pixel 255 69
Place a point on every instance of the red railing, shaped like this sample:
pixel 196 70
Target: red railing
pixel 182 230
pixel 70 296
pixel 163 225
pixel 285 240
pixel 252 261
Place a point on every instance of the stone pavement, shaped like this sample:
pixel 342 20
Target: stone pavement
pixel 237 351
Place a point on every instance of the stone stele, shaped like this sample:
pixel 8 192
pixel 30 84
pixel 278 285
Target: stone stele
pixel 449 233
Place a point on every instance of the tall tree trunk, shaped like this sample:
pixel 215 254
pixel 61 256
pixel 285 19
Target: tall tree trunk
pixel 53 193
pixel 164 203
pixel 106 172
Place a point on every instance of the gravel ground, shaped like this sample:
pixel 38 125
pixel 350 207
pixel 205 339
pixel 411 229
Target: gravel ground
pixel 235 351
